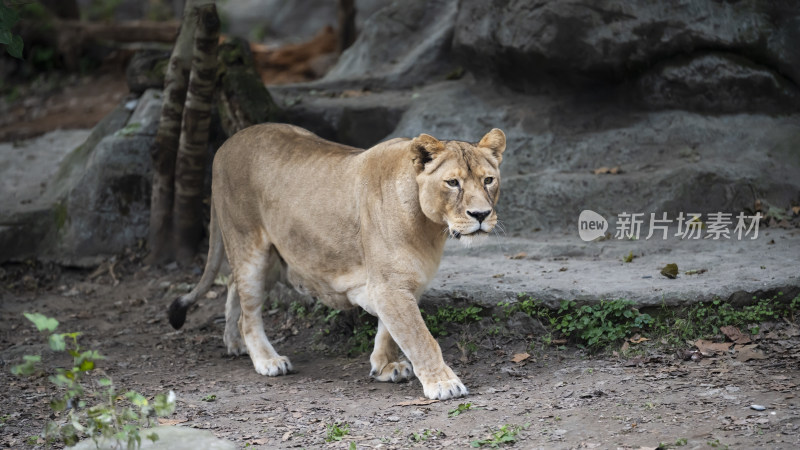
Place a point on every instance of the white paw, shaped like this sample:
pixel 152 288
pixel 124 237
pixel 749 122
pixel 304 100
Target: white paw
pixel 234 343
pixel 273 367
pixel 394 371
pixel 443 390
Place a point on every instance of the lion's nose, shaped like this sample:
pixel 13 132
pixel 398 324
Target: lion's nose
pixel 478 215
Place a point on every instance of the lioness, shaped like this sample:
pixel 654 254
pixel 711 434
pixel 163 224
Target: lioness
pixel 349 226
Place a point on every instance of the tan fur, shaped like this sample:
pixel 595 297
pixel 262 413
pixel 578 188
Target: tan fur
pixel 351 227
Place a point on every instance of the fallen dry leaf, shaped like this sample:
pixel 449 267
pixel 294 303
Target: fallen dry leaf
pixel 422 401
pixel 519 255
pixel 625 347
pixel 735 335
pixel 695 272
pixel 163 421
pixel 638 339
pixel 708 348
pixel 796 210
pixel 670 271
pixel 748 352
pixel 519 357
pixel 607 170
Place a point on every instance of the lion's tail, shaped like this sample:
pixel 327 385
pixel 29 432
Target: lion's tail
pixel 216 252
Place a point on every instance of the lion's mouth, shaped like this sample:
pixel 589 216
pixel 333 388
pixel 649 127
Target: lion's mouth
pixel 457 235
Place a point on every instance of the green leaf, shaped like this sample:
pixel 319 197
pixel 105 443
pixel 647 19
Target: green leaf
pixel 57 343
pixel 104 382
pixel 28 367
pixel 86 366
pixel 152 436
pixel 42 322
pixel 164 404
pixel 15 49
pixel 136 398
pixel 58 404
pixel 5 37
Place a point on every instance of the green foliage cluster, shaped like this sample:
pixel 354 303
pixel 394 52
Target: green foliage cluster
pixel 337 431
pixel 12 42
pixel 595 326
pixel 112 415
pixel 706 319
pixel 506 434
pixel 605 323
pixel 364 332
pixel 425 435
pixel 445 315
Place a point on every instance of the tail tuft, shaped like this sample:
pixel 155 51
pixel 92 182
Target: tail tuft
pixel 177 314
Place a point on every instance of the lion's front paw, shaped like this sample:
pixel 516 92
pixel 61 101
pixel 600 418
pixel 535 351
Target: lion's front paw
pixel 443 390
pixel 394 371
pixel 273 367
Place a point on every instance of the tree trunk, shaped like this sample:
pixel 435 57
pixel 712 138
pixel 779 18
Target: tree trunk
pixel 165 150
pixel 193 148
pixel 347 24
pixel 242 98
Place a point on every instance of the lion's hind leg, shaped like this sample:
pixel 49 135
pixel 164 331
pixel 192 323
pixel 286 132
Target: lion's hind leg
pixel 250 270
pixel 387 365
pixel 233 312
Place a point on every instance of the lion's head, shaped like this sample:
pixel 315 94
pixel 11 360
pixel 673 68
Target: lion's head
pixel 459 182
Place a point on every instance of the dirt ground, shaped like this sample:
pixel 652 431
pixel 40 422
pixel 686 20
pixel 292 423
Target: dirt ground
pixel 561 397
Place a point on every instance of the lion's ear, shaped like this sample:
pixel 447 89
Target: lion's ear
pixel 424 148
pixel 495 141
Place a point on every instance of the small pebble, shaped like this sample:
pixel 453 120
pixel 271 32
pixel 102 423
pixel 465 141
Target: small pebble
pixel 393 419
pixel 758 407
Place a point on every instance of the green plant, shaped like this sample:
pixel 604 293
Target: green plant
pixel 793 308
pixel 460 409
pixel 113 416
pixel 297 309
pixel 209 398
pixel 425 435
pixel 445 315
pixel 337 431
pixel 628 258
pixel 12 42
pixel 707 318
pixel 717 444
pixel 600 324
pixel 363 336
pixel 506 434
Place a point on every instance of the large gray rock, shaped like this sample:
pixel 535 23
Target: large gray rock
pixel 551 267
pixel 401 45
pixel 169 438
pixel 108 209
pixel 671 161
pixel 96 203
pixel 611 39
pixel 716 83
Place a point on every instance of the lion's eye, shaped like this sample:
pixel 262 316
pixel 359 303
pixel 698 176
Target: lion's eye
pixel 452 183
pixel 488 180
